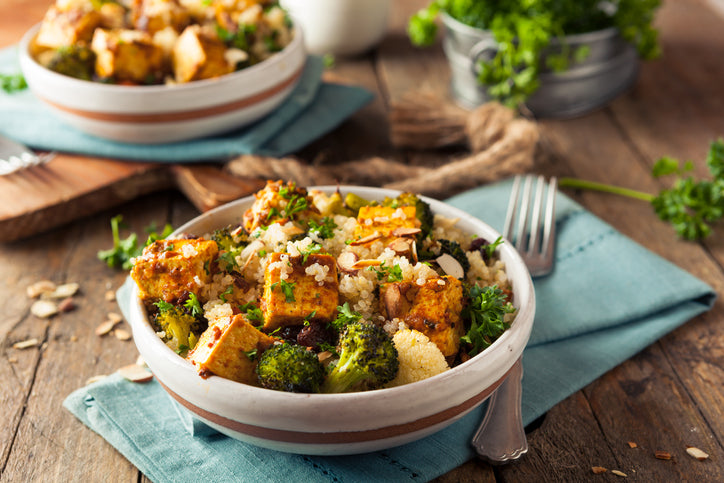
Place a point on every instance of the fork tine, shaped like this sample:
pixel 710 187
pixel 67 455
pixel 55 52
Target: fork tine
pixel 535 217
pixel 549 228
pixel 521 235
pixel 512 205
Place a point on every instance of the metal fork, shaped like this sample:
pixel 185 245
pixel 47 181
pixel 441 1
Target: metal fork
pixel 535 237
pixel 14 157
pixel 501 436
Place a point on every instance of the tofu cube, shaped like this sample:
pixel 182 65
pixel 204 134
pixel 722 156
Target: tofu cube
pixel 294 289
pixel 127 56
pixel 199 54
pixel 168 269
pixel 61 28
pixel 384 220
pixel 226 349
pixel 154 15
pixel 433 309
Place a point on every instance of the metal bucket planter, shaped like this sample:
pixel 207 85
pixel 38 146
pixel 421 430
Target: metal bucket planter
pixel 610 68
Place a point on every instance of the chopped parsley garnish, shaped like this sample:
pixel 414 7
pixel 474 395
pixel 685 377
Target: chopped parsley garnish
pixel 251 354
pixel 344 316
pixel 324 229
pixel 390 274
pixel 312 248
pixel 124 250
pixel 163 306
pixel 486 313
pixel 253 313
pixel 490 249
pixel 193 305
pixel 228 291
pixel 286 288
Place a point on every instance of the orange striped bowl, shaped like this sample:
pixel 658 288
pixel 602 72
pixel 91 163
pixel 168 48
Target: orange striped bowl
pixel 166 113
pixel 334 424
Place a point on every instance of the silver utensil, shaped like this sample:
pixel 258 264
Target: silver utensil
pixel 14 157
pixel 501 436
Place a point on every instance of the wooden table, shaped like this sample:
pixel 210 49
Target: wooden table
pixel 667 397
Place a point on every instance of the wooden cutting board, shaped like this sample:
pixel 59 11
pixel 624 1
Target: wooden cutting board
pixel 69 187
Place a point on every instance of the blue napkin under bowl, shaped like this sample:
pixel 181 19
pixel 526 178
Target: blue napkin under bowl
pixel 607 299
pixel 312 109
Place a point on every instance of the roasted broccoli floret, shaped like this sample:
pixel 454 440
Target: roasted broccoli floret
pixel 290 368
pixel 230 242
pixel 181 328
pixel 74 61
pixel 454 249
pixel 422 211
pixel 367 359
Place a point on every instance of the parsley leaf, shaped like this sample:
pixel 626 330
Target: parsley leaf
pixel 193 305
pixel 486 313
pixel 12 83
pixel 124 250
pixel 344 316
pixel 163 306
pixel 324 229
pixel 253 313
pixel 286 288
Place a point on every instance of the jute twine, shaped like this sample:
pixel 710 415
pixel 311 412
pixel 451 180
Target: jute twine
pixel 500 145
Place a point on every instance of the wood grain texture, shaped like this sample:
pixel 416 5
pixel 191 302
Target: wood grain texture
pixel 665 398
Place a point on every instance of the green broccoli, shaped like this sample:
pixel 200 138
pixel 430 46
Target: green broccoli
pixel 367 359
pixel 74 61
pixel 181 328
pixel 422 211
pixel 290 368
pixel 454 249
pixel 230 246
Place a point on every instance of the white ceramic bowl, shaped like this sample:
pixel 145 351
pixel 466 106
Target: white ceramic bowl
pixel 167 113
pixel 340 423
pixel 340 27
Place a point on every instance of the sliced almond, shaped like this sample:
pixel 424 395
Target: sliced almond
pixel 403 231
pixel 619 473
pixel 39 288
pixel 346 261
pixel 63 291
pixel 135 373
pixel 367 239
pixel 366 263
pixel 324 355
pixel 293 231
pixel 140 362
pixel 122 334
pixel 44 309
pixel 26 344
pixel 114 317
pixel 96 378
pixel 110 296
pixel 66 305
pixel 696 453
pixel 105 328
pixel 400 246
pixel 597 470
pixel 450 266
pixel 413 252
pixel 631 444
pixel 662 455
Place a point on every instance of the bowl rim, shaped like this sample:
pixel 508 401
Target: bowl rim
pixel 27 39
pixel 525 315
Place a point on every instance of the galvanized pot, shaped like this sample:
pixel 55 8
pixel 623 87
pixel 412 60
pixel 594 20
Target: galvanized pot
pixel 610 68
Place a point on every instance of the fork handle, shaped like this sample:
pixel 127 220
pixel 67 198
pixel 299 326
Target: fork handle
pixel 501 436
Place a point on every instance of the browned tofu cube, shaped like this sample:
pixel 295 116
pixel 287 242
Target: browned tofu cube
pixel 168 269
pixel 230 350
pixel 433 309
pixel 62 28
pixel 154 15
pixel 309 290
pixel 127 56
pixel 279 202
pixel 199 54
pixel 384 220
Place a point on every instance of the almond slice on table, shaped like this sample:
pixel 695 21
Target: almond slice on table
pixel 135 373
pixel 696 453
pixel 63 291
pixel 26 344
pixel 44 309
pixel 38 288
pixel 122 334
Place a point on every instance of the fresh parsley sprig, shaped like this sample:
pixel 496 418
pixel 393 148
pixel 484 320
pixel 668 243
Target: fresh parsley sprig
pixel 124 250
pixel 486 313
pixel 345 316
pixel 690 206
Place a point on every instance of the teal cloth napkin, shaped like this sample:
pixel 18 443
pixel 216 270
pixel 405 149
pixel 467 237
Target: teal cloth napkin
pixel 313 109
pixel 607 299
